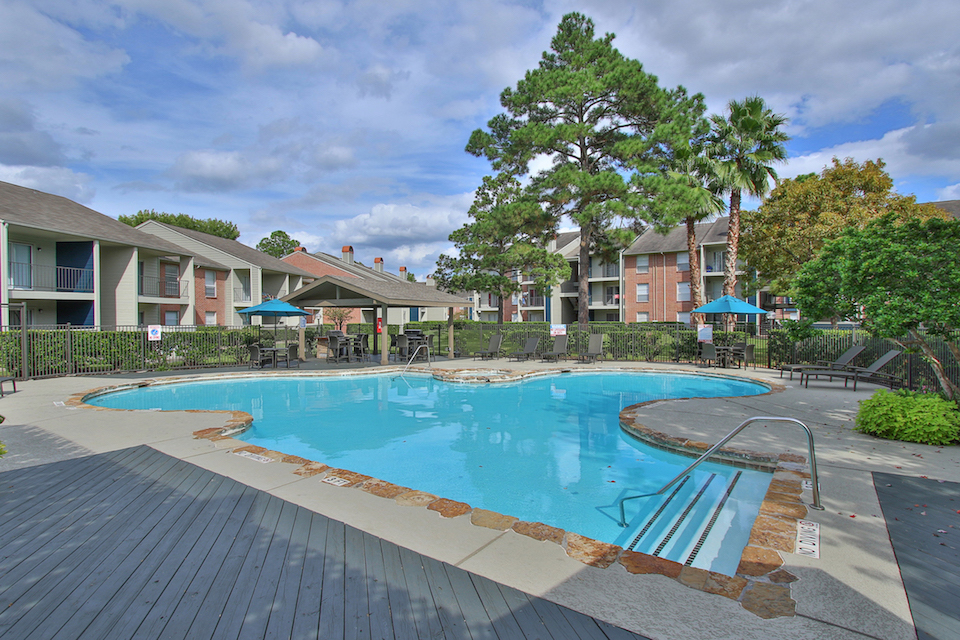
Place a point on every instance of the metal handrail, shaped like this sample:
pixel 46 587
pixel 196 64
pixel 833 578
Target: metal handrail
pixel 709 452
pixel 414 357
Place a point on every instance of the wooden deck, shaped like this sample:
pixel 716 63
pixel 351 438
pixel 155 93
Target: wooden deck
pixel 135 543
pixel 924 526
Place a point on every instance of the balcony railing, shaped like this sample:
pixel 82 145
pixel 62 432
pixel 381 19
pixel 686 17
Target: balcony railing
pixel 35 277
pixel 532 301
pixel 242 295
pixel 162 287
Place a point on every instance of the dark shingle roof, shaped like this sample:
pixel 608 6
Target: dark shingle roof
pixel 238 250
pixel 950 206
pixel 330 289
pixel 39 210
pixel 676 239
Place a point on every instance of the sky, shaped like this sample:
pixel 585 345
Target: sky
pixel 344 123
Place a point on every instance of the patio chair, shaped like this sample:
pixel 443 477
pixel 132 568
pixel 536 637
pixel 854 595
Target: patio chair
pixel 594 349
pixel 337 349
pixel 259 358
pixel 745 356
pixel 403 347
pixel 844 360
pixel 529 350
pixel 289 356
pixel 859 374
pixel 708 353
pixel 492 350
pixel 559 349
pixel 9 379
pixel 361 346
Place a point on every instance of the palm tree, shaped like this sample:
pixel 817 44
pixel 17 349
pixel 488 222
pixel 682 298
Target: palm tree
pixel 744 145
pixel 699 174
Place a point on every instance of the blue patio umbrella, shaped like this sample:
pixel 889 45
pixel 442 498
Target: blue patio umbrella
pixel 274 308
pixel 729 304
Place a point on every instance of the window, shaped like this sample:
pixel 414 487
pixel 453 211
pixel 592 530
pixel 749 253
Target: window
pixel 683 292
pixel 683 261
pixel 611 270
pixel 684 318
pixel 210 318
pixel 643 264
pixel 210 284
pixel 643 293
pixel 171 318
pixel 643 316
pixel 611 296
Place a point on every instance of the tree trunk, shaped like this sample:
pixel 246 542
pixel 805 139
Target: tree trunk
pixel 733 247
pixel 696 291
pixel 950 390
pixel 583 284
pixel 500 309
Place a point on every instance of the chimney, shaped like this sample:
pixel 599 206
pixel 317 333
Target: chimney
pixel 403 272
pixel 347 254
pixel 301 249
pixel 378 265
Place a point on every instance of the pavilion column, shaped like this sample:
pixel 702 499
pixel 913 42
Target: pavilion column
pixel 384 337
pixel 450 354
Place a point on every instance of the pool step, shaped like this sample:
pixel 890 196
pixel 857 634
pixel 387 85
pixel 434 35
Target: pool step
pixel 681 526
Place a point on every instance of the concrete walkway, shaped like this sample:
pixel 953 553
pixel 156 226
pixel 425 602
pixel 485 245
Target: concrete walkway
pixel 853 590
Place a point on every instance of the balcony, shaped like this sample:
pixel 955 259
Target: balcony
pixel 162 287
pixel 242 295
pixel 531 301
pixel 34 277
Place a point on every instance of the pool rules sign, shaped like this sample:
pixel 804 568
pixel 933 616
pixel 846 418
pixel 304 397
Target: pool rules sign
pixel 154 333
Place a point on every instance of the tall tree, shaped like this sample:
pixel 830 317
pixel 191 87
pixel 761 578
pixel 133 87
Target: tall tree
pixel 278 244
pixel 802 214
pixel 699 198
pixel 745 143
pixel 507 235
pixel 899 278
pixel 605 125
pixel 213 226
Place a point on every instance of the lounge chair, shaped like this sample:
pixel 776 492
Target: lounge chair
pixel 289 356
pixel 843 361
pixel 529 350
pixel 559 349
pixel 862 374
pixel 708 353
pixel 259 358
pixel 594 349
pixel 492 350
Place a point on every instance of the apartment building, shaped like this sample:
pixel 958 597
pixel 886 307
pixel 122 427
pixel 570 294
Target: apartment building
pixel 234 276
pixel 68 264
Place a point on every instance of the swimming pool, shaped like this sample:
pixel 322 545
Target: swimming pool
pixel 545 449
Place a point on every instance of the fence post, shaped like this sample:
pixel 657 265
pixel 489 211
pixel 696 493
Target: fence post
pixel 68 348
pixel 24 355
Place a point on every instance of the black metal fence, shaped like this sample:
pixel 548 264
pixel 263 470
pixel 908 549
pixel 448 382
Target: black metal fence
pixel 66 350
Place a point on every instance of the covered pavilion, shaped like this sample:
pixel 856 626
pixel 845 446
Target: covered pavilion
pixel 365 293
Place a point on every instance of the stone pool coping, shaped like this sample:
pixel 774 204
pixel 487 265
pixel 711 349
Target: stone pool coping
pixel 760 585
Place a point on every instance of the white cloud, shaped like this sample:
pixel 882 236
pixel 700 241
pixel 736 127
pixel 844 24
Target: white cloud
pixel 57 180
pixel 951 192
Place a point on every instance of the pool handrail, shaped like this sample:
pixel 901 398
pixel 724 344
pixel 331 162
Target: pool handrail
pixel 709 452
pixel 414 357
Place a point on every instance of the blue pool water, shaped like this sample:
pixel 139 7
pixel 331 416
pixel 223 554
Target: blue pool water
pixel 547 449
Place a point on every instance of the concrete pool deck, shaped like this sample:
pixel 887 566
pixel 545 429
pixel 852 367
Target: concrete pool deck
pixel 853 590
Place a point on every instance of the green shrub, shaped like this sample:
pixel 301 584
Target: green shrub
pixel 926 418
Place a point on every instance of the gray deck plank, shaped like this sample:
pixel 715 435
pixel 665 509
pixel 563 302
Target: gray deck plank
pixel 306 622
pixel 403 608
pixel 205 572
pixel 236 609
pixel 157 593
pixel 164 549
pixel 424 609
pixel 378 598
pixel 124 580
pixel 283 614
pixel 331 594
pixel 263 600
pixel 80 552
pixel 448 606
pixel 356 605
pixel 214 600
